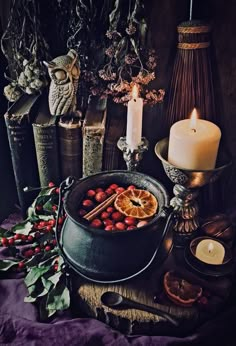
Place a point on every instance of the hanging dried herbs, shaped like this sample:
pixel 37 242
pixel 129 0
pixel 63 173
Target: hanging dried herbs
pixel 24 47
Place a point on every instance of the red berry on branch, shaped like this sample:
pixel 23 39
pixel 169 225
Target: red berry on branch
pixel 37 249
pixel 96 223
pixel 47 248
pixel 54 207
pixel 42 223
pixel 54 242
pixel 51 184
pixel 39 207
pixel 29 253
pixel 4 241
pixel 52 222
pixel 57 190
pixel 11 241
pixel 30 238
pixel 49 228
pixel 24 237
pixel 100 196
pixel 21 265
pixel 60 220
pixel 55 267
pixel 17 236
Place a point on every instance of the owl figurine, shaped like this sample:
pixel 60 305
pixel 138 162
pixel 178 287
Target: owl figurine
pixel 64 72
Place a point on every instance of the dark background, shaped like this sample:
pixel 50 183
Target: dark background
pixel 163 17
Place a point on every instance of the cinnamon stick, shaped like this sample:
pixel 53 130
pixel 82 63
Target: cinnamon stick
pixel 99 208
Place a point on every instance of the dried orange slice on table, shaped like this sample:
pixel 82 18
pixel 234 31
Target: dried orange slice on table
pixel 140 204
pixel 181 291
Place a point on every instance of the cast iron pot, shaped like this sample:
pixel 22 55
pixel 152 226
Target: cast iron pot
pixel 109 257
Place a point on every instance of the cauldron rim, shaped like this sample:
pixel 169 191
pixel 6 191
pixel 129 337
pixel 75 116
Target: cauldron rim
pixel 102 232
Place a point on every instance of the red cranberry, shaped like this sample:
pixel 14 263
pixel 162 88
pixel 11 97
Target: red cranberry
pixel 91 193
pixel 109 228
pixel 105 215
pixel 4 241
pixel 99 189
pixel 51 184
pixel 131 187
pixel 37 249
pixel 82 212
pixel 120 190
pixel 96 223
pixel 42 223
pixel 113 186
pixel 21 265
pixel 30 238
pixel 117 216
pixel 54 242
pixel 87 204
pixel 24 237
pixel 120 226
pixel 109 191
pixel 107 222
pixel 17 236
pixel 110 209
pixel 130 221
pixel 57 190
pixel 100 196
pixel 47 248
pixel 142 223
pixel 129 228
pixel 29 253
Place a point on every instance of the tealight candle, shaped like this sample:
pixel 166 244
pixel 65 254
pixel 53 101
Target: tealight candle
pixel 134 120
pixel 210 251
pixel 194 143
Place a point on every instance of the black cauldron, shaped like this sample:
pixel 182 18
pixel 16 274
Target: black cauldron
pixel 115 256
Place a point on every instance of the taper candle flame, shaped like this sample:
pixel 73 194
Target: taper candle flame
pixel 193 120
pixel 210 247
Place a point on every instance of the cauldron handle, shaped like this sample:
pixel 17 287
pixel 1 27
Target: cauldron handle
pixel 64 187
pixel 171 219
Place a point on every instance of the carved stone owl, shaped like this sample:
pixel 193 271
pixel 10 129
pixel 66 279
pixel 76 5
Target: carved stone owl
pixel 64 72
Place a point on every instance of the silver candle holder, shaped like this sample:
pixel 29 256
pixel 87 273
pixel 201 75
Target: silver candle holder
pixel 187 183
pixel 132 157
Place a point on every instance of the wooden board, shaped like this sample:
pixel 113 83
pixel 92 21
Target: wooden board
pixel 131 321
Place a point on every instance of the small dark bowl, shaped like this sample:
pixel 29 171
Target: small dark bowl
pixel 103 256
pixel 206 268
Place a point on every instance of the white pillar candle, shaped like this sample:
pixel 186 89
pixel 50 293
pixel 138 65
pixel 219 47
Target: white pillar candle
pixel 194 143
pixel 134 120
pixel 210 251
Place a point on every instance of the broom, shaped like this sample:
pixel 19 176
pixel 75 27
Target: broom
pixel 192 86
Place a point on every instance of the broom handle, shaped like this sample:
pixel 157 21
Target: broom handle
pixel 191 10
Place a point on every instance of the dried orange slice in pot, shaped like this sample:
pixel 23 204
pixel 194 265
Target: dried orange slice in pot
pixel 140 204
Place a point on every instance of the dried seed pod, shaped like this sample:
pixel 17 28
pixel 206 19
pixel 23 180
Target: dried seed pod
pixel 219 226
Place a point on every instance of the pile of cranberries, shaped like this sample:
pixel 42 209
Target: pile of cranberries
pixel 110 219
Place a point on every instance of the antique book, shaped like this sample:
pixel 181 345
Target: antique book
pixel 115 128
pixel 20 136
pixel 93 138
pixel 46 144
pixel 70 146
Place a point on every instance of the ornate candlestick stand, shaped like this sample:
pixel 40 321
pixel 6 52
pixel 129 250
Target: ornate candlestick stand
pixel 187 182
pixel 132 158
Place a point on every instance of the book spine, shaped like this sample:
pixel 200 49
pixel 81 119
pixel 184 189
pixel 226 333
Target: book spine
pixel 21 143
pixel 45 138
pixel 70 143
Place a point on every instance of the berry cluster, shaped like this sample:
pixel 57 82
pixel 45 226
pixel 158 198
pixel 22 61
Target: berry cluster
pixel 110 219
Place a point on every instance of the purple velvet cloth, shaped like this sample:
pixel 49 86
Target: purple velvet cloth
pixel 19 324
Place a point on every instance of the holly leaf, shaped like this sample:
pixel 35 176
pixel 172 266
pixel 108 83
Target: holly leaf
pixel 48 207
pixel 23 227
pixel 46 283
pixel 55 278
pixel 36 291
pixel 58 297
pixel 7 264
pixel 43 312
pixel 34 274
pixel 4 232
